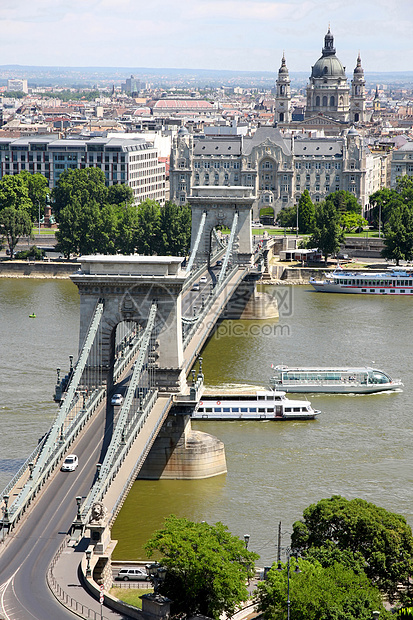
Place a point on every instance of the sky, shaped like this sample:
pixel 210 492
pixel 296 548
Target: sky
pixel 237 35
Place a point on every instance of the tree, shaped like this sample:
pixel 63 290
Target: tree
pixel 207 567
pixel 120 194
pixel 14 223
pixel 327 234
pixel 318 592
pixel 344 201
pixel 398 232
pixel 14 193
pixel 80 228
pixel 287 217
pixel 85 185
pixel 38 190
pixel 175 223
pixel 383 538
pixel 382 204
pixel 306 213
pixel 349 221
pixel 149 239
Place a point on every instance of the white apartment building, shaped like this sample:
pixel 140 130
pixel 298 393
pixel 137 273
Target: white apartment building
pixel 402 162
pixel 17 85
pixel 130 161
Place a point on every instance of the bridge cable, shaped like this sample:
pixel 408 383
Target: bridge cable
pixel 229 249
pixel 196 244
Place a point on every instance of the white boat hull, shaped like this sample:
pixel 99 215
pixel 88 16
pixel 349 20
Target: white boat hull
pixel 339 389
pixel 254 416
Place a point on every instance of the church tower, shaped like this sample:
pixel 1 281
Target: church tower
pixel 328 91
pixel 358 94
pixel 283 94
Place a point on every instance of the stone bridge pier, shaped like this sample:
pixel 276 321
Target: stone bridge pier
pixel 129 285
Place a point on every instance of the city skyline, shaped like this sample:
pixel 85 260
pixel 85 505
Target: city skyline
pixel 238 35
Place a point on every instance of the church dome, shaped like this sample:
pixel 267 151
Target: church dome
pixel 328 65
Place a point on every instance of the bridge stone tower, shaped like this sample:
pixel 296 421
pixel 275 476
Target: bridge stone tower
pixel 220 203
pixel 129 285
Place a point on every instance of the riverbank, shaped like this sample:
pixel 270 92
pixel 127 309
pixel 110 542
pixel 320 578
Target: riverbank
pixel 37 269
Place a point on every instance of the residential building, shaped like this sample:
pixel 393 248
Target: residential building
pixel 402 162
pixel 17 85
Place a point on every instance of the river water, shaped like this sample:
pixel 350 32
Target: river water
pixel 360 446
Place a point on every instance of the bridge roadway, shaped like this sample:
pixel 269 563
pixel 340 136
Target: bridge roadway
pixel 27 552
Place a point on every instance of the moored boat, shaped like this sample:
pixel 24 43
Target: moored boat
pixel 392 282
pixel 259 405
pixel 345 380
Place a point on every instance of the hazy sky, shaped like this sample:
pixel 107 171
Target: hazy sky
pixel 206 34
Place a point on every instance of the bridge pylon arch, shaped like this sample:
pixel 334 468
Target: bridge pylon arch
pixel 129 285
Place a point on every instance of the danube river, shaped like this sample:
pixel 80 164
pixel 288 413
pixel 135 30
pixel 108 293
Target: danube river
pixel 360 446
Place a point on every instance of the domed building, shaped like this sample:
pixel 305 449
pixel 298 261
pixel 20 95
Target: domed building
pixel 330 105
pixel 328 91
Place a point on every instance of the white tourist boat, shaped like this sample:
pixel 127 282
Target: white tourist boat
pixel 392 282
pixel 349 380
pixel 259 405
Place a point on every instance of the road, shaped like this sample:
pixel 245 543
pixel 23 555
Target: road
pixel 24 560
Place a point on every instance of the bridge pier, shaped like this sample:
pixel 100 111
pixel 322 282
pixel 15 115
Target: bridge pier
pixel 248 303
pixel 180 453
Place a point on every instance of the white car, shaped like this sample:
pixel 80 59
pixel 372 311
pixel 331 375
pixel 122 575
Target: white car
pixel 117 399
pixel 195 286
pixel 203 280
pixel 70 463
pixel 133 574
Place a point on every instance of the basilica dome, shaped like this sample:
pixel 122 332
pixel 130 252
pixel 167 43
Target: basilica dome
pixel 328 65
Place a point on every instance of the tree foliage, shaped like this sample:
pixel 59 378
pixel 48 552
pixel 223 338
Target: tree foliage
pixel 287 217
pixel 14 223
pixel 207 567
pixel 330 592
pixel 83 185
pixel 306 213
pixel 344 201
pixel 327 233
pixel 383 538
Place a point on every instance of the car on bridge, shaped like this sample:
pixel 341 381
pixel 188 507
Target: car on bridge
pixel 70 463
pixel 195 286
pixel 117 399
pixel 132 574
pixel 203 280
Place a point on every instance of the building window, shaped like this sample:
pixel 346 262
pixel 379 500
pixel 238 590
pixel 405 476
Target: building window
pixel 327 165
pixel 197 164
pixel 236 165
pixel 317 198
pixel 308 165
pixel 206 164
pixel 226 164
pixel 327 188
pixel 216 164
pixel 337 165
pixel 317 165
pixel 324 101
pixel 298 165
pixel 307 177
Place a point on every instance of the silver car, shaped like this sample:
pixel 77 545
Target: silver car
pixel 133 574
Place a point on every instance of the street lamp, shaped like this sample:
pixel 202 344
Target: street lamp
pixel 296 230
pixel 246 540
pixel 157 574
pixel 296 570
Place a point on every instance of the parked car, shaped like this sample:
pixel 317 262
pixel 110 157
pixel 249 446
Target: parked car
pixel 132 574
pixel 117 399
pixel 195 286
pixel 203 280
pixel 70 463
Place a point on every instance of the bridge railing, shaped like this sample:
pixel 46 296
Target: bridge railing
pixel 33 486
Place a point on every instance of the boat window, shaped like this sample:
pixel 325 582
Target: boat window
pixel 392 290
pixel 261 397
pixel 270 410
pixel 235 410
pixel 217 409
pixel 382 290
pixel 296 409
pixel 261 410
pixel 208 409
pixel 372 290
pixel 277 397
pixel 244 409
pixel 287 409
pixel 402 291
pixel 253 409
pixel 226 409
pixel 363 290
pixel 201 410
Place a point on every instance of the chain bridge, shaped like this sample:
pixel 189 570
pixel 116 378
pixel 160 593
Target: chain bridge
pixel 143 322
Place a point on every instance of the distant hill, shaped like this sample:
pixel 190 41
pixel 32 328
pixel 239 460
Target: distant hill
pixel 84 77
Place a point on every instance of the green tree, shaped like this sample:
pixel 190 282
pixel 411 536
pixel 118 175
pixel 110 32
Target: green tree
pixel 149 240
pixel 398 232
pixel 306 213
pixel 207 567
pixel 317 592
pixel 128 230
pixel 382 204
pixel 14 223
pixel 80 228
pixel 14 193
pixel 84 185
pixel 344 201
pixel 350 221
pixel 38 190
pixel 175 223
pixel 287 217
pixel 120 194
pixel 383 538
pixel 327 234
